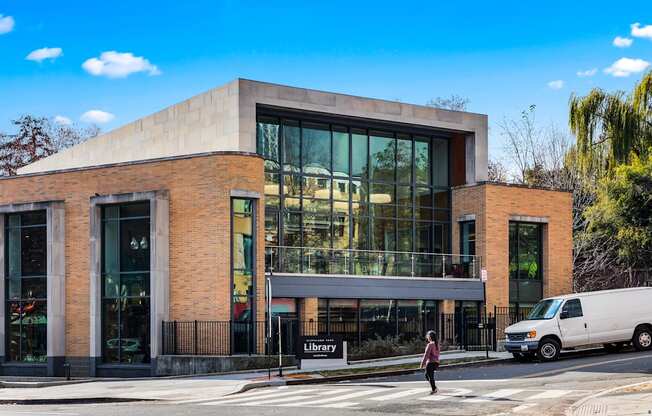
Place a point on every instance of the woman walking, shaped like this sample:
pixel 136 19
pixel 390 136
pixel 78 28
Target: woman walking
pixel 430 359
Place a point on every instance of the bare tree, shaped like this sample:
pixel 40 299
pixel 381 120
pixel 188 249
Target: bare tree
pixel 37 138
pixel 496 171
pixel 454 102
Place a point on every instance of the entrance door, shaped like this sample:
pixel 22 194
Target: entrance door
pixel 243 236
pixel 572 325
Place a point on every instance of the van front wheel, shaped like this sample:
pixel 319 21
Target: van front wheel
pixel 548 349
pixel 643 339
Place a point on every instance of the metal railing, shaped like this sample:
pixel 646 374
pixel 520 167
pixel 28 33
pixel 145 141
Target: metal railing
pixel 331 261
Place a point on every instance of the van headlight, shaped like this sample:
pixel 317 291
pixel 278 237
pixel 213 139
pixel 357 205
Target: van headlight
pixel 532 334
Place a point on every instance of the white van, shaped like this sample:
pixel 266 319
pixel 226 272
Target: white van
pixel 613 318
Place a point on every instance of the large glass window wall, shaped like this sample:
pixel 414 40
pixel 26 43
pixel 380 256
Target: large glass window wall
pixel 339 186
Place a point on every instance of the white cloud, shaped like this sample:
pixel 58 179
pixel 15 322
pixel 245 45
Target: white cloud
pixel 62 120
pixel 6 24
pixel 587 73
pixel 114 64
pixel 556 84
pixel 641 32
pixel 39 55
pixel 624 67
pixel 621 42
pixel 96 117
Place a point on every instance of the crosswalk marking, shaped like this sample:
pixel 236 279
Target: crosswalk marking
pixel 344 398
pixel 250 396
pixel 333 399
pixel 446 394
pixel 499 394
pixel 549 394
pixel 274 401
pixel 399 394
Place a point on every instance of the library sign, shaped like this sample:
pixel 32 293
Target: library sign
pixel 320 347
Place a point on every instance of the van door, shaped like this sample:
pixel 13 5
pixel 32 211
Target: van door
pixel 572 325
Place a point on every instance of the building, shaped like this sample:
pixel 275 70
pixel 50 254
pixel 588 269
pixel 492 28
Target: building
pixel 371 212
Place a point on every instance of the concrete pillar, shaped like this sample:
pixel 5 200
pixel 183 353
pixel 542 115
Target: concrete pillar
pixel 56 288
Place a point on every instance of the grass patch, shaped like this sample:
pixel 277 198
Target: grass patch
pixel 395 367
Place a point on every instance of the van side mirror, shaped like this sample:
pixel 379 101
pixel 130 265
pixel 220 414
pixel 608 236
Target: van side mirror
pixel 563 315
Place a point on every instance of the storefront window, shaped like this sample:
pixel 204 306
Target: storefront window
pixel 125 283
pixel 26 287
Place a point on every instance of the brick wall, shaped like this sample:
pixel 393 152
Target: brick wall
pixel 200 190
pixel 493 205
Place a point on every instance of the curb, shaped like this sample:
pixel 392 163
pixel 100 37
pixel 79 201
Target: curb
pixel 335 379
pixel 80 400
pixel 39 384
pixel 578 404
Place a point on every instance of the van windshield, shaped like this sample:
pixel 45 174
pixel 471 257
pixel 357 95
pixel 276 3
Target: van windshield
pixel 546 309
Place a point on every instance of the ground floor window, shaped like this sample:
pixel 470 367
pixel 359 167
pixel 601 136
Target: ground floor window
pixel 357 320
pixel 125 283
pixel 242 260
pixel 525 262
pixel 26 287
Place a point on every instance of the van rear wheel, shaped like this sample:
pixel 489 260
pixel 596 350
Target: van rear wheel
pixel 643 339
pixel 548 350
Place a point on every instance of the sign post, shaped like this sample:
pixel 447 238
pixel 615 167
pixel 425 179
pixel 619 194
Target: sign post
pixel 280 353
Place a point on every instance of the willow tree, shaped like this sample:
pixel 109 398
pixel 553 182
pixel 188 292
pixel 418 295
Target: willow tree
pixel 611 126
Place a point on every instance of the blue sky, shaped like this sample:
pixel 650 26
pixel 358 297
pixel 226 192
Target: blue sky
pixel 501 55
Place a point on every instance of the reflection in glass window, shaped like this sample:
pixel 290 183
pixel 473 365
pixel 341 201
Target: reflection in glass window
pixel 26 287
pixel 243 263
pixel 291 146
pixel 316 147
pixel 525 262
pixel 340 151
pixel 367 188
pixel 359 154
pixel 268 144
pixel 404 159
pixel 382 153
pixel 125 289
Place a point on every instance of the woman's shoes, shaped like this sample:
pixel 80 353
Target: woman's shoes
pixel 434 391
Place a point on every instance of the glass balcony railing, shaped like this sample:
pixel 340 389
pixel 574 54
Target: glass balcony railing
pixel 329 261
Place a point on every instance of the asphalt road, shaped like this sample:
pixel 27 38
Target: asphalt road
pixel 509 388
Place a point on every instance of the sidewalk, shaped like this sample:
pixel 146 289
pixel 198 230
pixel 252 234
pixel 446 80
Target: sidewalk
pixel 197 387
pixel 634 399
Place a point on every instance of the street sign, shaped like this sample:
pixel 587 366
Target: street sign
pixel 320 347
pixel 483 275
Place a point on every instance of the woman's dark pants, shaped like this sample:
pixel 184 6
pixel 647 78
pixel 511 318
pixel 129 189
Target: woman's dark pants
pixel 430 375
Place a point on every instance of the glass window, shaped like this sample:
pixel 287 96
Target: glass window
pixel 467 238
pixel 340 151
pixel 572 308
pixel 404 159
pixel 382 154
pixel 422 160
pixel 291 146
pixel 525 262
pixel 359 182
pixel 377 318
pixel 125 290
pixel 440 162
pixel 359 154
pixel 26 287
pixel 268 145
pixel 243 263
pixel 316 148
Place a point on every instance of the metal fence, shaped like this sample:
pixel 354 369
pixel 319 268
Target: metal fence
pixel 455 330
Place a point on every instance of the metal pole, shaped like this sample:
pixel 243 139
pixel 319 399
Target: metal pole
pixel 280 356
pixel 486 342
pixel 268 292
